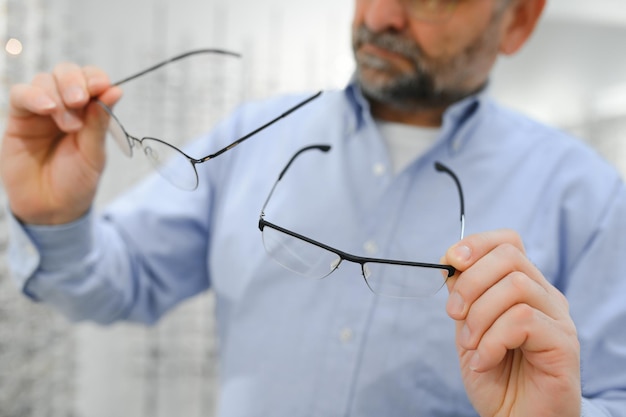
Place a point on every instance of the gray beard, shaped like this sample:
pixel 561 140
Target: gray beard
pixel 416 90
pixel 410 92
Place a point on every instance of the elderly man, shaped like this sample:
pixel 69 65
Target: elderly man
pixel 375 178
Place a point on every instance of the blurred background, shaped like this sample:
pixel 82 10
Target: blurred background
pixel 572 75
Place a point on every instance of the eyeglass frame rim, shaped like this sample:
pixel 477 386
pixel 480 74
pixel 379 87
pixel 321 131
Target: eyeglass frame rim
pixel 445 17
pixel 361 260
pixel 194 161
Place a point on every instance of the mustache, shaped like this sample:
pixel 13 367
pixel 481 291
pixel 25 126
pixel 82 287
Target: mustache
pixel 389 41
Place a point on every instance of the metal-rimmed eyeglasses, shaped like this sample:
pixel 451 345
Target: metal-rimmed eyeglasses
pixel 158 151
pixel 435 11
pixel 388 277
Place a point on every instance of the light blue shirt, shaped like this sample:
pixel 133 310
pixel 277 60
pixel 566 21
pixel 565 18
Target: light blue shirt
pixel 291 346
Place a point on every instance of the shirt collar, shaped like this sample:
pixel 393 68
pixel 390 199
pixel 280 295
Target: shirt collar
pixel 457 119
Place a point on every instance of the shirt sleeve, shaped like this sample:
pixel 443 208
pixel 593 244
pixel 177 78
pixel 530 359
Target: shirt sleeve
pixel 140 257
pixel 22 254
pixel 55 264
pixel 596 290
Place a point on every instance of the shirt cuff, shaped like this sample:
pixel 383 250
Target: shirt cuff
pixel 46 248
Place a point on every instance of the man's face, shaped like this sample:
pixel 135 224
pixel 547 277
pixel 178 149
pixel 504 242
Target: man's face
pixel 410 64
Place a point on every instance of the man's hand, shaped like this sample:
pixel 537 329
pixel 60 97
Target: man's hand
pixel 52 152
pixel 517 344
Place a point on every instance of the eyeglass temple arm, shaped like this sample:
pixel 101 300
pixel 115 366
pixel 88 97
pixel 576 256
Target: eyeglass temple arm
pixel 176 58
pixel 323 148
pixel 257 130
pixel 442 168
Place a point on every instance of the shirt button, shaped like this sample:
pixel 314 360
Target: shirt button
pixel 30 250
pixel 370 247
pixel 379 169
pixel 346 335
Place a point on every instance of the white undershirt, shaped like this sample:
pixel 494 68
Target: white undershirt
pixel 406 142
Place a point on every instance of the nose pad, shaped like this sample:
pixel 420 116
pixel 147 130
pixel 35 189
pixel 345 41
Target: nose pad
pixel 151 153
pixel 335 264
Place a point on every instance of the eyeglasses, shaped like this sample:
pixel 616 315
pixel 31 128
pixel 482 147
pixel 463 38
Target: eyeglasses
pixel 158 151
pixel 436 11
pixel 317 260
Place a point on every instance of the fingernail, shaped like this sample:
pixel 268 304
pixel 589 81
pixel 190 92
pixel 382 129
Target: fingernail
pixel 74 95
pixel 462 252
pixel 96 82
pixel 474 362
pixel 456 304
pixel 45 103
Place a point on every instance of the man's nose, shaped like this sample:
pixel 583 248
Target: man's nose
pixel 383 15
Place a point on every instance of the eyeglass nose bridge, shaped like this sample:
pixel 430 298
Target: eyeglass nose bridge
pixel 365 270
pixel 133 142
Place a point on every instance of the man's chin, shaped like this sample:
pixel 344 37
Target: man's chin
pixel 405 98
pixel 372 84
pixel 376 78
pixel 376 90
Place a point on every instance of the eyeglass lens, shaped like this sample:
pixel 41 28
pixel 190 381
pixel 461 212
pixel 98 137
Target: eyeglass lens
pixel 298 255
pixel 431 10
pixel 311 261
pixel 116 132
pixel 403 281
pixel 167 160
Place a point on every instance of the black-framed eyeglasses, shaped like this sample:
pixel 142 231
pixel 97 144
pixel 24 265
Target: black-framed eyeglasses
pixel 317 260
pixel 159 151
